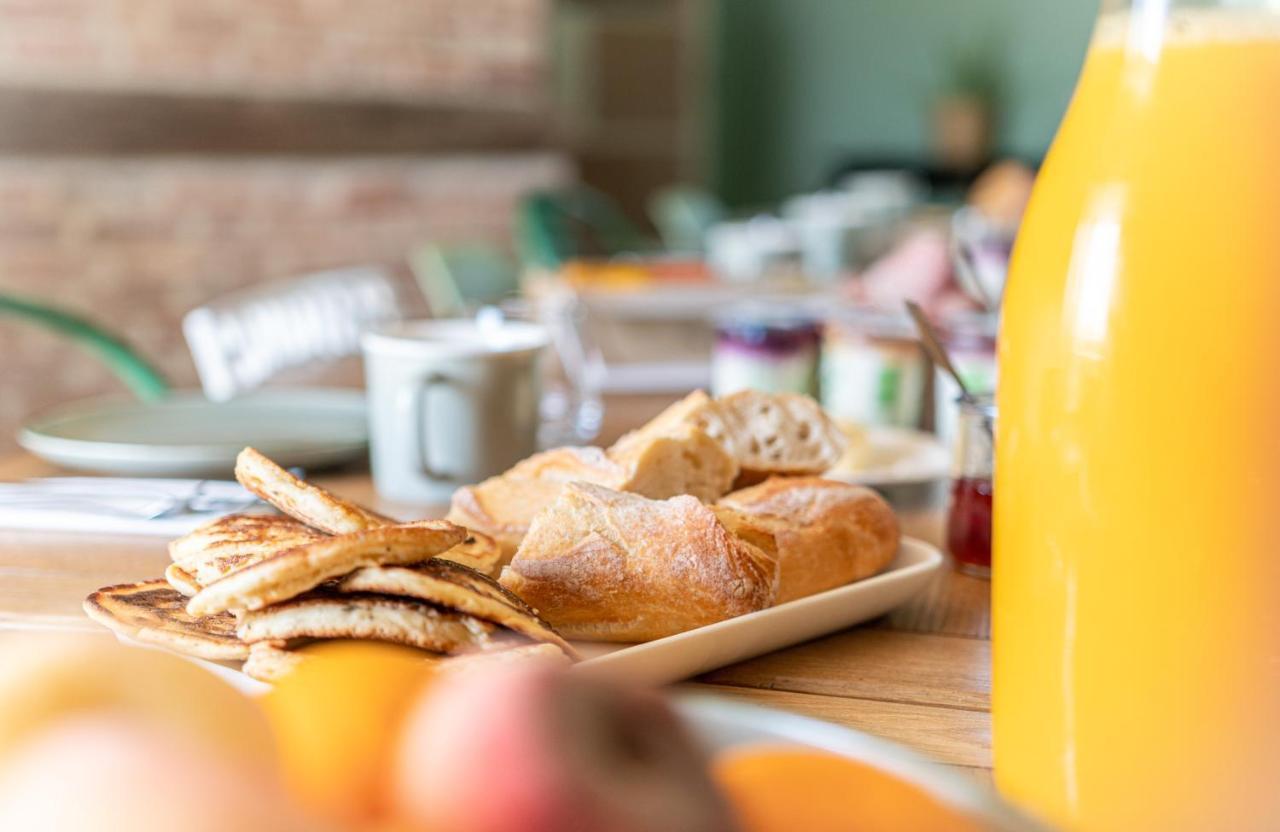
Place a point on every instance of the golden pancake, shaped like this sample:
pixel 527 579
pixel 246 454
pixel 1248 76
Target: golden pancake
pixel 301 500
pixel 181 580
pixel 292 572
pixel 240 534
pixel 155 613
pixel 479 552
pixel 374 617
pixel 269 661
pixel 458 588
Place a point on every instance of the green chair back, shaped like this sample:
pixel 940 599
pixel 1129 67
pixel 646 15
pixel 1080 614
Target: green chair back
pixel 455 279
pixel 138 374
pixel 683 214
pixel 553 227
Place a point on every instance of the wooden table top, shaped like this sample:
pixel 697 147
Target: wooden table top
pixel 920 675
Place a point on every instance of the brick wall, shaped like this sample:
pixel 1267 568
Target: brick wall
pixel 393 48
pixel 135 241
pixel 135 244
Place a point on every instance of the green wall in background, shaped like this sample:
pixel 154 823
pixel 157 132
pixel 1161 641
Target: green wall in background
pixel 802 85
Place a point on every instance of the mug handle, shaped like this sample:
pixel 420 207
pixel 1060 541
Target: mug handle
pixel 417 418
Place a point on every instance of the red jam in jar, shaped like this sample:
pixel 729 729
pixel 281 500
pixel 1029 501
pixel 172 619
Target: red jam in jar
pixel 969 525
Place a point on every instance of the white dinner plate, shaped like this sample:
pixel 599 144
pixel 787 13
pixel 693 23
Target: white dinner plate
pixel 186 435
pixel 696 651
pixel 898 456
pixel 722 725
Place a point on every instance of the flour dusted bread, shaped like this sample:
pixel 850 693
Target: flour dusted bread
pixel 610 566
pixel 682 460
pixel 766 433
pixel 825 533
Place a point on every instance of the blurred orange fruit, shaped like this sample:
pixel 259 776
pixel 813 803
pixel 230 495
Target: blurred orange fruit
pixel 779 789
pixel 336 717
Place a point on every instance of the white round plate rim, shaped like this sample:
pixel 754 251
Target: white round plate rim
pixel 926 459
pixel 46 435
pixel 723 724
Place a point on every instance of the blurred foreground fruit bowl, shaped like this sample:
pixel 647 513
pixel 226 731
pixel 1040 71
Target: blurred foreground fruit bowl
pixel 99 736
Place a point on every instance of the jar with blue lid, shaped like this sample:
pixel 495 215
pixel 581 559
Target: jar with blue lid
pixel 760 346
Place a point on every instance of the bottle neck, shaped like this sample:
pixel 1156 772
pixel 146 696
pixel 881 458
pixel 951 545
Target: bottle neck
pixel 1161 8
pixel 1143 28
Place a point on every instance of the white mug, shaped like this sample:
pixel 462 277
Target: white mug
pixel 450 403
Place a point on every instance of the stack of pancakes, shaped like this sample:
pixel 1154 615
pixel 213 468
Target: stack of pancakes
pixel 256 587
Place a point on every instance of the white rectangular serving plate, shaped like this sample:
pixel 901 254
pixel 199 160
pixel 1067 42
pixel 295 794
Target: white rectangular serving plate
pixel 687 654
pixel 677 657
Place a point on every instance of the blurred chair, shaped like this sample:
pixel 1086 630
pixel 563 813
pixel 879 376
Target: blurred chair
pixel 683 214
pixel 239 341
pixel 556 226
pixel 138 374
pixel 456 279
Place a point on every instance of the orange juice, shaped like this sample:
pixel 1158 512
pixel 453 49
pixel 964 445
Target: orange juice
pixel 1136 595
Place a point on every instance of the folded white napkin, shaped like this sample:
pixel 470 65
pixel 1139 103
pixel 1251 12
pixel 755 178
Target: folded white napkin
pixel 115 505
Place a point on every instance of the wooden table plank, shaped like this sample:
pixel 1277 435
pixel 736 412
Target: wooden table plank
pixel 908 668
pixel 953 604
pixel 948 735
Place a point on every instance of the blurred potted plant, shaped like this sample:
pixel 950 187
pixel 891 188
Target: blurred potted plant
pixel 966 110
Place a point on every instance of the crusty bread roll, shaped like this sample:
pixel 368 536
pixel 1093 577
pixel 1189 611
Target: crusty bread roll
pixel 605 565
pixel 683 460
pixel 767 433
pixel 827 533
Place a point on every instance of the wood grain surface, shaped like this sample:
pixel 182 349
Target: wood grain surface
pixel 920 676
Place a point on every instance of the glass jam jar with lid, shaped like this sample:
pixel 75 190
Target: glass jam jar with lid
pixel 765 347
pixel 873 370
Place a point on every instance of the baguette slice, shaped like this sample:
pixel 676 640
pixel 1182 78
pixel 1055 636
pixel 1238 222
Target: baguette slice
pixel 609 566
pixel 681 460
pixel 827 533
pixel 781 433
pixel 767 433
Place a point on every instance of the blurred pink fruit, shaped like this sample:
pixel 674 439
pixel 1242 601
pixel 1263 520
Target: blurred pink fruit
pixel 537 749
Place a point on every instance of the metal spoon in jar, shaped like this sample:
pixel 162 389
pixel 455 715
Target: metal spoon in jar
pixel 933 346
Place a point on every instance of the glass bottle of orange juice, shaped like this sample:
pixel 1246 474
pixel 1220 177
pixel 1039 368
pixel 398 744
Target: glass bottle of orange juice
pixel 1136 595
